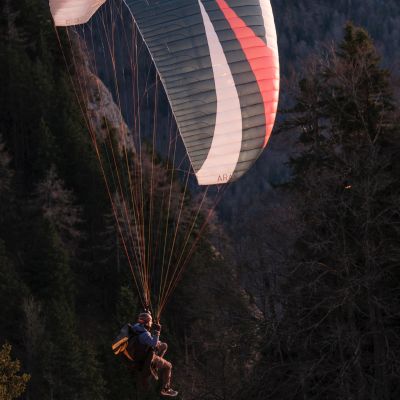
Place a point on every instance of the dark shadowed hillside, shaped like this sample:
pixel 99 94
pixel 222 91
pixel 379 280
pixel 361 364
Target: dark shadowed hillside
pixel 65 283
pixel 294 296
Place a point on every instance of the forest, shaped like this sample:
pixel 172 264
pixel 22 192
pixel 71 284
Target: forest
pixel 293 293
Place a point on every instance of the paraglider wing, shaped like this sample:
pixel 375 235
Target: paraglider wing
pixel 219 64
pixel 73 12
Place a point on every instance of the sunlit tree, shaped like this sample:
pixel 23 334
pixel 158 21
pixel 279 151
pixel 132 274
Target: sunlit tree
pixel 12 382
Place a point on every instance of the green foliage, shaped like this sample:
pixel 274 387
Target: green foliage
pixel 11 292
pixel 94 385
pixel 41 124
pixel 6 176
pixel 126 307
pixel 47 268
pixel 12 384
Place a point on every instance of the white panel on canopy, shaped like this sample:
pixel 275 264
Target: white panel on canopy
pixel 73 12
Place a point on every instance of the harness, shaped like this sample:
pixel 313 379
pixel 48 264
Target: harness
pixel 128 344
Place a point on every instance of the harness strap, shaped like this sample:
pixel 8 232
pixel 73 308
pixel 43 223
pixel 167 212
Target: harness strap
pixel 128 355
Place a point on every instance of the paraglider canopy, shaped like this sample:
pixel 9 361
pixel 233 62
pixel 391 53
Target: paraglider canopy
pixel 218 61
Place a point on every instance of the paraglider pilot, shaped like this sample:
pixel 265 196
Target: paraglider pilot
pixel 151 350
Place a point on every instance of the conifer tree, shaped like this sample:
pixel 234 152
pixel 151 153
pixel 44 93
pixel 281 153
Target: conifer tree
pixel 341 288
pixel 335 336
pixel 7 194
pixel 12 384
pixel 58 207
pixel 12 292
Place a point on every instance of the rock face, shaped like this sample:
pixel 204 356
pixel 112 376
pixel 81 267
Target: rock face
pixel 103 113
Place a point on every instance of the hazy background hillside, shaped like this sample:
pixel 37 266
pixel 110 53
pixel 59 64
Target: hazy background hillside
pixel 307 24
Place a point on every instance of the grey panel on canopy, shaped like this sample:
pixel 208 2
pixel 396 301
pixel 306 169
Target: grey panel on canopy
pixel 167 27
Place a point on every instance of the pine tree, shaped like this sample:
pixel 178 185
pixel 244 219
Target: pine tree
pixel 12 292
pixel 12 384
pixel 58 207
pixel 7 193
pixel 340 292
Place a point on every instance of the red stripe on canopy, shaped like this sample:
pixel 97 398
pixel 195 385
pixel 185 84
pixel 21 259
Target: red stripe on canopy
pixel 255 48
